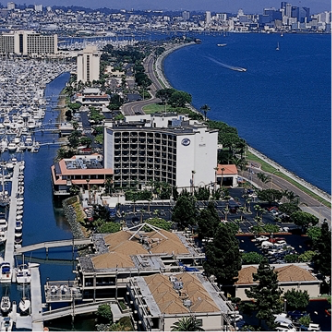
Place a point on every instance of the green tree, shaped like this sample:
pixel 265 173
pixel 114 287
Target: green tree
pixel 263 177
pixel 266 294
pixel 109 227
pixel 322 259
pixel 104 312
pixel 187 324
pixel 223 258
pixel 288 208
pixel 296 299
pixel 74 139
pixel 303 219
pixel 269 195
pixel 179 99
pixel 184 211
pixel 314 233
pixel 307 256
pixel 251 258
pixel 208 221
pixel 84 140
pixel 158 222
pixel 269 228
pixel 205 108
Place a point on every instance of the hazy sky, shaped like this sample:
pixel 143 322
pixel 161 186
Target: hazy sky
pixel 249 6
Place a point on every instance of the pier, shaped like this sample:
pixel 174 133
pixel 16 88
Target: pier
pixel 10 243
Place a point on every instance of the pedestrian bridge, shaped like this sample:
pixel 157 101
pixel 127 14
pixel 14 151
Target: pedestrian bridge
pixel 73 310
pixel 53 244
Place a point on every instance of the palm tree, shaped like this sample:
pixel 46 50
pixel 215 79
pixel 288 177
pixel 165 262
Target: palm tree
pixel 205 108
pixel 187 324
pixel 264 178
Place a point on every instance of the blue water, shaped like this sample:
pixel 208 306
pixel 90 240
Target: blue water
pixel 281 105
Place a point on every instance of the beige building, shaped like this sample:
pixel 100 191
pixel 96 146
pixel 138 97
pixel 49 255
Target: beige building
pixel 290 276
pixel 88 64
pixel 162 300
pixel 28 43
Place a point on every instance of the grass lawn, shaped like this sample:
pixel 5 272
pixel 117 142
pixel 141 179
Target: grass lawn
pixel 156 108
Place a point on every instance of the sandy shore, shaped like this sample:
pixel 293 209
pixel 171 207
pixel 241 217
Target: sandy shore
pixel 160 73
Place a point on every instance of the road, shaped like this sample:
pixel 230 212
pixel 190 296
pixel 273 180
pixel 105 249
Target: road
pixel 309 204
pixel 136 106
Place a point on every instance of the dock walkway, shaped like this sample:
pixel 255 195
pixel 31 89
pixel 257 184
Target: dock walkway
pixel 10 242
pixel 36 300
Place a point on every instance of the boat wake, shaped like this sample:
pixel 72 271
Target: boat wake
pixel 227 66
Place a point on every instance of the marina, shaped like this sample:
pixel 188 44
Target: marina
pixel 23 107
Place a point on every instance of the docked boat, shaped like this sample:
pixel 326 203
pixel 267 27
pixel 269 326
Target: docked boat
pixel 23 274
pixel 6 324
pixel 4 195
pixel 3 224
pixel 24 306
pixel 5 305
pixel 5 272
pixel 3 237
pixel 11 147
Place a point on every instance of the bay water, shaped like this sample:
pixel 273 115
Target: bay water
pixel 281 104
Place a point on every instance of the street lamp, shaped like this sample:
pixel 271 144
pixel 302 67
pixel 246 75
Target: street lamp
pixel 285 305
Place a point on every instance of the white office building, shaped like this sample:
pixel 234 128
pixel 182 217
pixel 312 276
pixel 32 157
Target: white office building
pixel 28 43
pixel 165 148
pixel 88 64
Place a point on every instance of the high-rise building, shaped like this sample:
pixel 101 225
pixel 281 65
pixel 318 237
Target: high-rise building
pixel 88 64
pixel 207 17
pixel 164 148
pixel 10 5
pixel 28 43
pixel 186 15
pixel 38 8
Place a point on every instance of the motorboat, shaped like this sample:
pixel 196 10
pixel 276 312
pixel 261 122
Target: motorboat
pixel 4 196
pixel 221 45
pixel 23 274
pixel 6 274
pixel 11 147
pixel 5 305
pixel 3 224
pixel 18 226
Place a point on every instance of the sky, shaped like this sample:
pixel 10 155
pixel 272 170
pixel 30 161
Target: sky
pixel 230 6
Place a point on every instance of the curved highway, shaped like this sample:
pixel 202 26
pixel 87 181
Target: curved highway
pixel 136 106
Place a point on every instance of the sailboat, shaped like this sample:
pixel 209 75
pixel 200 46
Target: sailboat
pixel 24 304
pixel 277 48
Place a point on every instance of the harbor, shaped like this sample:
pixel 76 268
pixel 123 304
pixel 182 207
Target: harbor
pixel 29 122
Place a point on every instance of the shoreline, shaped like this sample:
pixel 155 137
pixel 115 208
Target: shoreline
pixel 312 188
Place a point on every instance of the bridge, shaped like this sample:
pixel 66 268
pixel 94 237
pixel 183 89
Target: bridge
pixel 73 310
pixel 53 244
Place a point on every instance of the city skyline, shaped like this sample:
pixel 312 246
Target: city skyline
pixel 230 6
